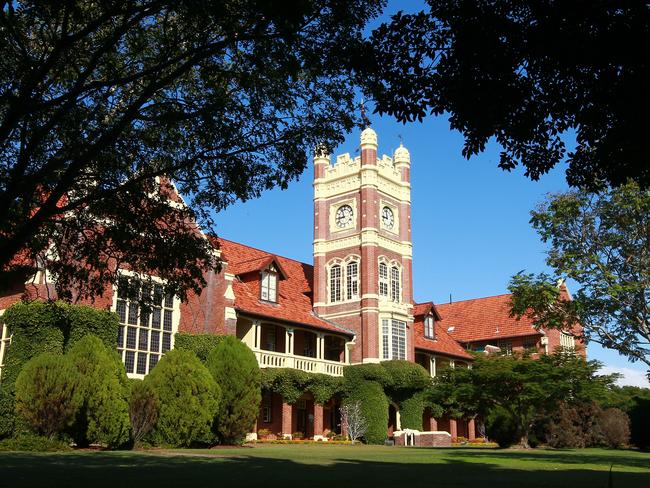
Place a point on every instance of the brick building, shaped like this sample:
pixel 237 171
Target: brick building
pixel 354 305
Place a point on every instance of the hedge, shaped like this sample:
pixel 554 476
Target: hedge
pixel 84 320
pixel 291 384
pixel 411 411
pixel 200 344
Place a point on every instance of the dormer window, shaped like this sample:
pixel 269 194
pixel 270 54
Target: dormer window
pixel 269 284
pixel 429 327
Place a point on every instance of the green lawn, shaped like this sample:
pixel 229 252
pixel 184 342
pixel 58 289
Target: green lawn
pixel 329 466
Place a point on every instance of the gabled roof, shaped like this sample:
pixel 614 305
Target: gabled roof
pixel 482 319
pixel 295 292
pixel 443 343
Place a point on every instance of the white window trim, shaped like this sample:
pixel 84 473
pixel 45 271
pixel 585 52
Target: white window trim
pixel 567 341
pixel 5 341
pixel 387 339
pixel 269 276
pixel 429 327
pixel 176 315
pixel 390 264
pixel 345 297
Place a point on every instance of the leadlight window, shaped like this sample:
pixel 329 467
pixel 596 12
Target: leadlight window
pixel 393 339
pixel 144 335
pixel 352 280
pixel 335 283
pixel 269 285
pixel 394 284
pixel 428 327
pixel 383 280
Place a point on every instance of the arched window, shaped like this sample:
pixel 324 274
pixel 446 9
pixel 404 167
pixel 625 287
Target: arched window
pixel 352 280
pixel 383 280
pixel 335 283
pixel 394 284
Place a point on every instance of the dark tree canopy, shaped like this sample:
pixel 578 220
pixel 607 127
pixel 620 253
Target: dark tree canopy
pixel 525 74
pixel 224 98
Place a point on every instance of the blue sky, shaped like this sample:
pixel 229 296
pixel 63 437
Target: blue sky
pixel 470 220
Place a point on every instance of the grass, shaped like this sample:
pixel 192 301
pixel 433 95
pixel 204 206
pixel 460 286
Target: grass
pixel 329 466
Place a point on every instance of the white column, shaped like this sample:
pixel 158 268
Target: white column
pixel 257 325
pixel 452 363
pixel 432 366
pixel 320 346
pixel 288 341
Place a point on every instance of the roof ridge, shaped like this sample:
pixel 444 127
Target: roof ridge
pixel 473 299
pixel 261 250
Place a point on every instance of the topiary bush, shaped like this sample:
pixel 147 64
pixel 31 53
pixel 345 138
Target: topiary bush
pixel 200 344
pixel 189 399
pixel 144 407
pixel 103 415
pixel 374 409
pixel 47 393
pixel 234 367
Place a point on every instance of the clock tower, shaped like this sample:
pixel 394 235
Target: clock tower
pixel 363 250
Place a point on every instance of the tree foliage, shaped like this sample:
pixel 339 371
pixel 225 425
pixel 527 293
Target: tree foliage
pixel 144 406
pixel 528 75
pixel 223 98
pixel 234 368
pixel 602 242
pixel 189 398
pixel 47 393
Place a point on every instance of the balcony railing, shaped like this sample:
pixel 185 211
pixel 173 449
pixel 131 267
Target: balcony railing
pixel 269 359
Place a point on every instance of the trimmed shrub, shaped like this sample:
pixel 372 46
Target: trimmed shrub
pixel 47 394
pixel 33 443
pixel 84 320
pixel 200 344
pixel 411 411
pixel 234 367
pixel 37 327
pixel 143 409
pixel 501 428
pixel 406 378
pixel 103 416
pixel 189 398
pixel 615 427
pixel 374 409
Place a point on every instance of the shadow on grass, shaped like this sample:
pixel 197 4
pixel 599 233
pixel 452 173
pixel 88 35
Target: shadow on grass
pixel 127 469
pixel 617 457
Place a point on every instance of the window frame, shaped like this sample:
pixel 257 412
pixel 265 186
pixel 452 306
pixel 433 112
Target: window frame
pixel 384 281
pixel 335 283
pixel 567 341
pixel 269 276
pixel 395 283
pixel 352 280
pixel 429 327
pixel 163 321
pixel 394 338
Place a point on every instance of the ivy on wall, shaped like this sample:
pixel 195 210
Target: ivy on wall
pixel 200 344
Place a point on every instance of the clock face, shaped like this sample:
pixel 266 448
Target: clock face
pixel 344 216
pixel 387 218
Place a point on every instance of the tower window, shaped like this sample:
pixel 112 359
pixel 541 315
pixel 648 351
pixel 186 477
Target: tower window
pixel 383 280
pixel 394 284
pixel 352 280
pixel 393 335
pixel 335 283
pixel 428 327
pixel 269 286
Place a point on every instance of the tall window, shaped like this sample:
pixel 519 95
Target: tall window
pixel 428 327
pixel 394 284
pixel 352 280
pixel 5 340
pixel 335 283
pixel 383 280
pixel 269 285
pixel 393 339
pixel 567 341
pixel 144 336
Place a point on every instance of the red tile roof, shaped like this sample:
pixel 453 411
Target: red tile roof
pixel 483 318
pixel 294 292
pixel 443 343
